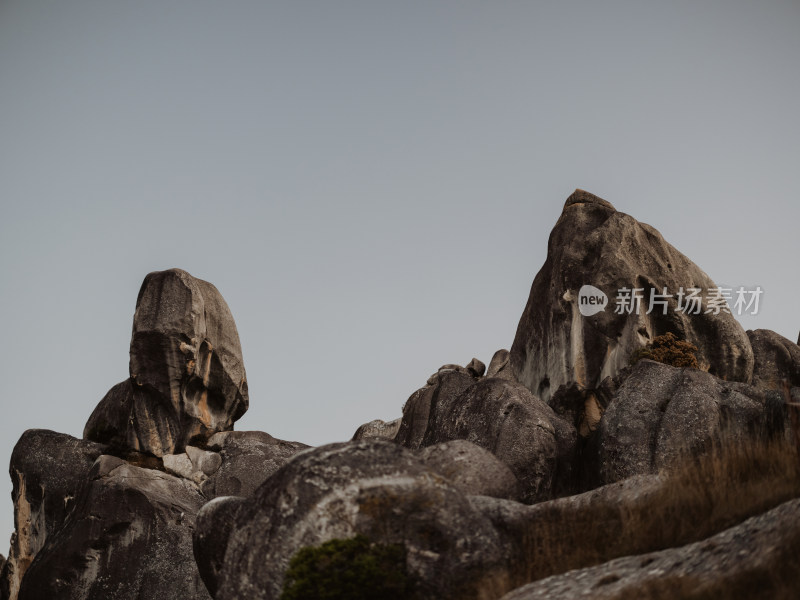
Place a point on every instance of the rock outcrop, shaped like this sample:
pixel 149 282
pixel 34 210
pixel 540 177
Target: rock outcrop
pixel 471 469
pixel 377 429
pixel 776 360
pixel 48 471
pixel 129 537
pixel 661 413
pixel 473 491
pixel 498 415
pixel 247 459
pixel 112 515
pixel 756 559
pixel 187 374
pixel 594 245
pixel 374 488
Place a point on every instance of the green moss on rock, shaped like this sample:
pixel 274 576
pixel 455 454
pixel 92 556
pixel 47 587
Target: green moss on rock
pixel 351 569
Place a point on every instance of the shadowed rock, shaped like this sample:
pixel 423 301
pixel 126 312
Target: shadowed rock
pixel 500 416
pixel 374 488
pixel 593 244
pixel 661 412
pixel 755 559
pixel 48 471
pixel 128 537
pixel 776 359
pixel 187 374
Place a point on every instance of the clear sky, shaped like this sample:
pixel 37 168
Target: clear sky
pixel 369 184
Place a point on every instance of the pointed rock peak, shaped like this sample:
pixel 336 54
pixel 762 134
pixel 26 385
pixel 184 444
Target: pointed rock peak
pixel 580 196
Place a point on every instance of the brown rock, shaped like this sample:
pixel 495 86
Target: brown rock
pixel 187 374
pixel 593 244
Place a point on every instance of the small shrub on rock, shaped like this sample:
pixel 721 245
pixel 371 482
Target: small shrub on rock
pixel 668 349
pixel 351 569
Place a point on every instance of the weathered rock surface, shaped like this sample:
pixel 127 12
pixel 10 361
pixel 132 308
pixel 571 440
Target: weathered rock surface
pixel 377 429
pixel 500 416
pixel 421 406
pixel 187 374
pixel 500 367
pixel 471 469
pixel 372 487
pixel 661 412
pixel 247 459
pixel 48 471
pixel 776 359
pixel 129 536
pixel 755 559
pixel 593 244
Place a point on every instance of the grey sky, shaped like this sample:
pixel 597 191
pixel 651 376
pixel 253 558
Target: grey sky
pixel 369 184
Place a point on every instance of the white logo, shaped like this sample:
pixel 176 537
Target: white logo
pixel 591 300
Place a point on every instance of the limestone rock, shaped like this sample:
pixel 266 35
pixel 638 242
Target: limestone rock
pixel 500 416
pixel 594 245
pixel 247 459
pixel 420 407
pixel 372 487
pixel 755 559
pixel 471 469
pixel 377 429
pixel 776 359
pixel 179 465
pixel 499 366
pixel 187 374
pixel 476 368
pixel 128 537
pixel 48 471
pixel 213 529
pixel 661 412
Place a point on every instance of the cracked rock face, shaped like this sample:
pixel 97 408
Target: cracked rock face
pixel 592 244
pixel 370 487
pixel 187 373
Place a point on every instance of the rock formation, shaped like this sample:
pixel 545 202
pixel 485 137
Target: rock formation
pixel 756 559
pixel 498 415
pixel 372 487
pixel 594 245
pixel 689 484
pixel 661 413
pixel 112 516
pixel 776 360
pixel 187 374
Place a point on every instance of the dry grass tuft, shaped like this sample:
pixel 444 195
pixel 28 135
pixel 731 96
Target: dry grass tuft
pixel 668 349
pixel 701 496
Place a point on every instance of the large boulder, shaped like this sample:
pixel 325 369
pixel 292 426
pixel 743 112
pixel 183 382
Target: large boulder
pixel 187 378
pixel 48 471
pixel 372 488
pixel 498 415
pixel 472 469
pixel 421 409
pixel 777 359
pixel 594 245
pixel 248 459
pixel 128 537
pixel 755 559
pixel 661 412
